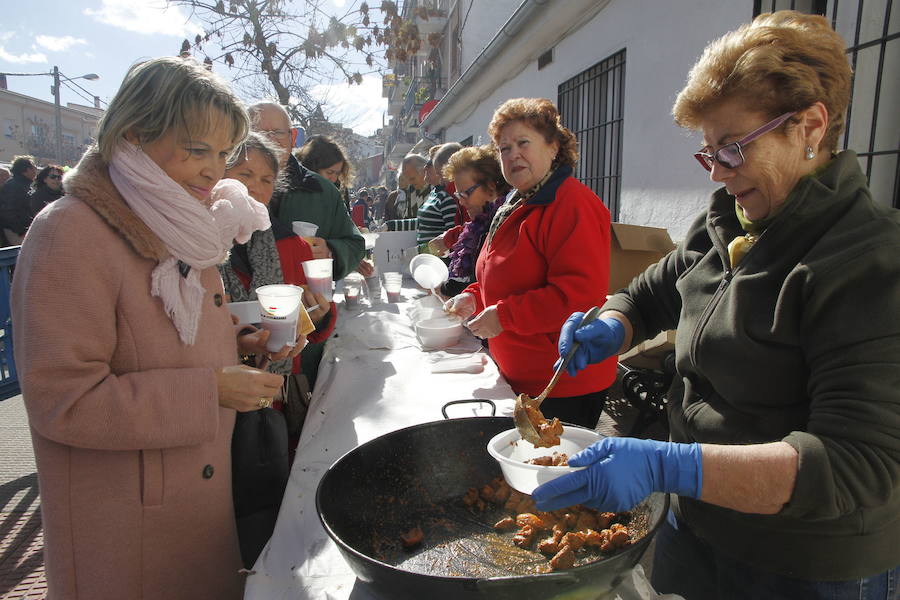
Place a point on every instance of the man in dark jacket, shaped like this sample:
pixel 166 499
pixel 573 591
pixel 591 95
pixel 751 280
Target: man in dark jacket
pixel 15 210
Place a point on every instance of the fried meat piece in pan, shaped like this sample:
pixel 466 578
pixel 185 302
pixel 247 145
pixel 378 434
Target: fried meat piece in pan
pixel 412 538
pixel 564 559
pixel 524 537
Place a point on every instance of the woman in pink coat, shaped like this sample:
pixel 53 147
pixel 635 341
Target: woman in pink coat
pixel 127 355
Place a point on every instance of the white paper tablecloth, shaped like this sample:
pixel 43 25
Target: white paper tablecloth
pixel 362 393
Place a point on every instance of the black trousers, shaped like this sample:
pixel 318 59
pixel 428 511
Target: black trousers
pixel 578 410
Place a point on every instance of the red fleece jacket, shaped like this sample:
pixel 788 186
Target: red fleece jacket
pixel 549 259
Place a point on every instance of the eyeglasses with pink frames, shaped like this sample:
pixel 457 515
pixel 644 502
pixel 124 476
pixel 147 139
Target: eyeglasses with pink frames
pixel 731 156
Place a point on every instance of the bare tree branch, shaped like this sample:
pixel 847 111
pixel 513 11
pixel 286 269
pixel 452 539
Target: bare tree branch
pixel 283 48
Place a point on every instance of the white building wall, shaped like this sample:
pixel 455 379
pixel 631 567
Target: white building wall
pixel 484 21
pixel 662 184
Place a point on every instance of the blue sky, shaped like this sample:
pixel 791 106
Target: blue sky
pixel 107 36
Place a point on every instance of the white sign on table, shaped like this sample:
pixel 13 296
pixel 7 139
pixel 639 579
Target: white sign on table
pixel 394 249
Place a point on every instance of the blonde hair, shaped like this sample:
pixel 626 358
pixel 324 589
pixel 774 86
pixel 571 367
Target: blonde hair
pixel 168 93
pixel 540 114
pixel 781 62
pixel 482 162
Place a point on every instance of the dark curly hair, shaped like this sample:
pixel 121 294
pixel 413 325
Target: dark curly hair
pixel 541 114
pixel 320 152
pixel 41 179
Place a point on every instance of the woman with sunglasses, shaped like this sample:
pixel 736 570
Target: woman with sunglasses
pixel 546 254
pixel 47 188
pixel 476 173
pixel 785 411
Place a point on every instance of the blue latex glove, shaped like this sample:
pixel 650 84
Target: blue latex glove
pixel 599 340
pixel 623 471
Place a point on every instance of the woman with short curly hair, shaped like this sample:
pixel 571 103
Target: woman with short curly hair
pixel 785 409
pixel 546 254
pixel 480 190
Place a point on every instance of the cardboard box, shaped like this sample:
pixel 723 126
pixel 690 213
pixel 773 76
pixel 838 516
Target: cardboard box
pixel 632 250
pixel 650 354
pixel 393 251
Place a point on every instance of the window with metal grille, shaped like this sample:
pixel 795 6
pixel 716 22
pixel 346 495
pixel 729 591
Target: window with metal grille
pixel 590 105
pixel 873 121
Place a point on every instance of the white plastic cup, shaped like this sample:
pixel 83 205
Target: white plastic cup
pixel 304 229
pixel 279 309
pixel 373 285
pixel 354 290
pixel 318 275
pixel 351 295
pixel 393 281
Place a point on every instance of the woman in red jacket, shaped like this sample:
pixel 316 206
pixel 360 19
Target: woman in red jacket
pixel 546 254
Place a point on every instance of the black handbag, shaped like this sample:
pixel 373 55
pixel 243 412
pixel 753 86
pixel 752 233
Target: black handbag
pixel 296 397
pixel 259 475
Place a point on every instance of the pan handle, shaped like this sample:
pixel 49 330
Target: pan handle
pixel 470 401
pixel 558 577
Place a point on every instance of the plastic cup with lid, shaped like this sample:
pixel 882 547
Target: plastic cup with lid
pixel 279 310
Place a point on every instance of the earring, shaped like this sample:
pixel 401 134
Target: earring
pixel 809 153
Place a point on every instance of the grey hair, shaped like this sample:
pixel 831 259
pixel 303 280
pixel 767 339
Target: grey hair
pixel 260 143
pixel 256 109
pixel 444 153
pixel 169 93
pixel 417 160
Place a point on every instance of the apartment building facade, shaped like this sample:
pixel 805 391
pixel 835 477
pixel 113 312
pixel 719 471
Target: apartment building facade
pixel 27 127
pixel 614 67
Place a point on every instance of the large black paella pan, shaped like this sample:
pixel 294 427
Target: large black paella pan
pixel 416 477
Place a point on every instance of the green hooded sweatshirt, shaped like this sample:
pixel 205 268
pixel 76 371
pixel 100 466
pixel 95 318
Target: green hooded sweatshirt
pixel 799 342
pixel 312 198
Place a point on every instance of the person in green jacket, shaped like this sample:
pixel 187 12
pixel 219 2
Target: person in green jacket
pixel 785 410
pixel 307 196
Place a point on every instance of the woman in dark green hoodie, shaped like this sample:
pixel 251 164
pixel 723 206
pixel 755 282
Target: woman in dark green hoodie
pixel 785 414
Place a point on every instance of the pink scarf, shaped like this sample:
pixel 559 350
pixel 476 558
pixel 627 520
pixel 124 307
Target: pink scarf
pixel 195 235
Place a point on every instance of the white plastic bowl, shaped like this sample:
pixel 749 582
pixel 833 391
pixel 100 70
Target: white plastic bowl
pixel 511 451
pixel 439 332
pixel 428 270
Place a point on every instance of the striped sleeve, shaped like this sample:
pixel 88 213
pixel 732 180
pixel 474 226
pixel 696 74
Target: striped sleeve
pixel 436 217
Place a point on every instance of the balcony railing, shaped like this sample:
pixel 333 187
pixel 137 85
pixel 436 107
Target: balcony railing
pixel 421 90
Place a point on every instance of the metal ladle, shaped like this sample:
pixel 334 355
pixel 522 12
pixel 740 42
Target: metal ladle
pixel 527 428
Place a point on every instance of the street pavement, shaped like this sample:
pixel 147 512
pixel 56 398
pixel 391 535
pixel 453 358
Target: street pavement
pixel 21 540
